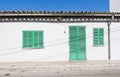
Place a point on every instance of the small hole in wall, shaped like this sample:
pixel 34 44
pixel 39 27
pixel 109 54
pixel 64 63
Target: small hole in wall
pixel 64 31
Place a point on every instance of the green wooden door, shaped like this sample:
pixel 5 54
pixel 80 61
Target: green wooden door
pixel 77 43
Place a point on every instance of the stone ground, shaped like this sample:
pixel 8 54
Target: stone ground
pixel 61 69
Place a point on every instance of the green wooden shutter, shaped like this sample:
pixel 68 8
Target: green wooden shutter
pixel 96 32
pixel 33 39
pixel 40 40
pixel 30 39
pixel 77 43
pixel 72 39
pixel 36 45
pixel 98 38
pixel 101 36
pixel 25 39
pixel 81 44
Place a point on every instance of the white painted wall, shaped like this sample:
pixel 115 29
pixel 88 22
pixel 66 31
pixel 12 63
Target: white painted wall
pixel 96 53
pixel 114 5
pixel 115 41
pixel 55 42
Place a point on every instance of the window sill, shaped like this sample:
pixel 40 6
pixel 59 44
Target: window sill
pixel 31 48
pixel 98 45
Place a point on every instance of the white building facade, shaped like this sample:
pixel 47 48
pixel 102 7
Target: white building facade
pixel 114 5
pixel 58 36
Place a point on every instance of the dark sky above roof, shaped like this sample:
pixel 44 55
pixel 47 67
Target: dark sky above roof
pixel 55 5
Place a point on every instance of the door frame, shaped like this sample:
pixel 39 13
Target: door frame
pixel 77 43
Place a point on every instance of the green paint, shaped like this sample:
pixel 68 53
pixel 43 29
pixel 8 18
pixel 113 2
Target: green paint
pixel 72 42
pixel 41 39
pixel 77 43
pixel 38 39
pixel 98 39
pixel 32 39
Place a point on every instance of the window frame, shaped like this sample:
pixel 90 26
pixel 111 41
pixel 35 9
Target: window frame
pixel 98 38
pixel 32 39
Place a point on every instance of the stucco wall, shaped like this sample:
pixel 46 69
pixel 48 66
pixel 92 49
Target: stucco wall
pixel 114 5
pixel 115 41
pixel 56 45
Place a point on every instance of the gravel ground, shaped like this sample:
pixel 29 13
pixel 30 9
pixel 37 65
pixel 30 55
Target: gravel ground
pixel 61 69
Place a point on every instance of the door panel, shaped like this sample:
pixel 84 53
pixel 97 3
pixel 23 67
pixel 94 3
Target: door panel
pixel 77 43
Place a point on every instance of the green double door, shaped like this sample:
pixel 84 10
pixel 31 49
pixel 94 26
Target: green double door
pixel 77 43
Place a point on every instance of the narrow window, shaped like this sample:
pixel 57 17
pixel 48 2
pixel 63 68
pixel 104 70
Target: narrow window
pixel 33 39
pixel 98 36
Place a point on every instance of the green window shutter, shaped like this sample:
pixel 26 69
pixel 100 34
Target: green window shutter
pixel 101 36
pixel 81 43
pixel 40 40
pixel 98 38
pixel 35 39
pixel 73 39
pixel 25 39
pixel 77 43
pixel 32 39
pixel 29 39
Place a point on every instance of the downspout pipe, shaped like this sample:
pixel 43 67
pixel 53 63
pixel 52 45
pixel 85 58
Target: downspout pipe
pixel 109 42
pixel 109 36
